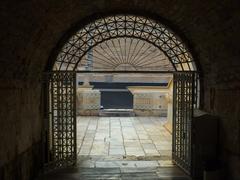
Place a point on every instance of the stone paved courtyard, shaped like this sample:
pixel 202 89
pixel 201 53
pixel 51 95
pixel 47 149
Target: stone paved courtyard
pixel 128 138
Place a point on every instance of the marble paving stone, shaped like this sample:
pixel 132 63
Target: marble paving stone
pixel 116 151
pixel 136 152
pixel 86 163
pixel 147 164
pixel 116 146
pixel 107 164
pixel 165 152
pixel 118 136
pixel 169 148
pixel 165 163
pixel 146 141
pixel 84 152
pixel 148 146
pixel 132 144
pixel 151 151
pixel 87 142
pixel 143 137
pixel 116 143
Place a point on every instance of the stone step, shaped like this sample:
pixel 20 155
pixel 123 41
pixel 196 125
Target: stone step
pixel 116 113
pixel 172 173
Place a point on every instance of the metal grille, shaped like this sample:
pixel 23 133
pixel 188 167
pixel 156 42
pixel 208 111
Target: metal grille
pixel 125 54
pixel 62 118
pixel 182 118
pixel 123 26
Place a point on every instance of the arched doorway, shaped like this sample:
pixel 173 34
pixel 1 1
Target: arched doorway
pixel 121 43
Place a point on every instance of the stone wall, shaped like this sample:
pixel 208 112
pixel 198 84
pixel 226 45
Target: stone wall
pixel 30 30
pixel 222 99
pixel 126 77
pixel 152 100
pixel 88 102
pixel 20 134
pixel 150 104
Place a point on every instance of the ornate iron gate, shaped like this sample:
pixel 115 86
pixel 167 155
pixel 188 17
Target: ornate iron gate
pixel 183 104
pixel 61 119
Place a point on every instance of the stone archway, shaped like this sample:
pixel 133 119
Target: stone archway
pixel 77 55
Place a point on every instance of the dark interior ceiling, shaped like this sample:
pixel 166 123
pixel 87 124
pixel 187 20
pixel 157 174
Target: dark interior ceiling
pixel 30 30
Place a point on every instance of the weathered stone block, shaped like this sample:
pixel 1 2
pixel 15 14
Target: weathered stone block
pixel 88 101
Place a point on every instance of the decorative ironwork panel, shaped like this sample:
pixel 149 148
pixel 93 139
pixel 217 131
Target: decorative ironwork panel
pixel 126 54
pixel 183 97
pixel 62 118
pixel 121 32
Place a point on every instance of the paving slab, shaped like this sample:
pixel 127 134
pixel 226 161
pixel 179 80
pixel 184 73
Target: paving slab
pixel 135 137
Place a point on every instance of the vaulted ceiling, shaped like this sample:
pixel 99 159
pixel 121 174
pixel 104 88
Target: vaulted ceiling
pixel 30 30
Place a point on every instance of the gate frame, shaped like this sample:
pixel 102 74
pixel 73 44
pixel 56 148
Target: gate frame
pixel 185 122
pixel 49 162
